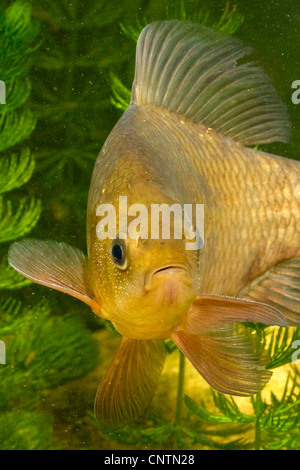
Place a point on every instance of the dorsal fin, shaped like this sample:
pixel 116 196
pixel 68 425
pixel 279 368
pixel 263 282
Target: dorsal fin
pixel 192 70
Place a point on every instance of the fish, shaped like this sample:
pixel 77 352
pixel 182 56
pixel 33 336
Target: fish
pixel 199 107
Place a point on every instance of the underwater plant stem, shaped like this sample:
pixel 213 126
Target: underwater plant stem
pixel 258 410
pixel 180 389
pixel 257 434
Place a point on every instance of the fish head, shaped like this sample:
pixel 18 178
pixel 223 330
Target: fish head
pixel 143 284
pixel 144 287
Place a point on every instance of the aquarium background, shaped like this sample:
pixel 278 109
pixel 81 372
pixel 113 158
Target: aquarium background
pixel 68 67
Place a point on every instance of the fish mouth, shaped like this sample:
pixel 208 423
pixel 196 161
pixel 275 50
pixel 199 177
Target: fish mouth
pixel 171 270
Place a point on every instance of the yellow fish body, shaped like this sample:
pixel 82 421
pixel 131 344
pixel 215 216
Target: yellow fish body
pixel 184 141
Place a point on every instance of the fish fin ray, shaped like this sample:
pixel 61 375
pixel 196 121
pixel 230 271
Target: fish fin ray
pixel 130 382
pixel 229 358
pixel 227 354
pixel 56 265
pixel 213 311
pixel 192 70
pixel 280 288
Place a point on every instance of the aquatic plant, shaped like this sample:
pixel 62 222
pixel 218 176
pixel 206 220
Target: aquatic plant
pixel 34 362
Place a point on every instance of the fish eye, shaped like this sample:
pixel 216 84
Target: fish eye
pixel 118 253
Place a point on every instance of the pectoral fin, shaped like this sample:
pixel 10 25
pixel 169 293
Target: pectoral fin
pixel 52 264
pixel 228 355
pixel 280 288
pixel 229 359
pixel 130 383
pixel 214 311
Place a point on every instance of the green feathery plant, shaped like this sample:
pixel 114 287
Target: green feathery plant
pixel 17 215
pixel 36 359
pixel 274 424
pixel 17 218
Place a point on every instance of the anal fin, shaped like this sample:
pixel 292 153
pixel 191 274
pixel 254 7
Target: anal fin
pixel 130 382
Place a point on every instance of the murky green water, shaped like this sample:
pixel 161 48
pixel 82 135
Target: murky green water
pixel 57 351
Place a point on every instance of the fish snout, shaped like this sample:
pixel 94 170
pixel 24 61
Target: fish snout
pixel 161 273
pixel 168 292
pixel 168 283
